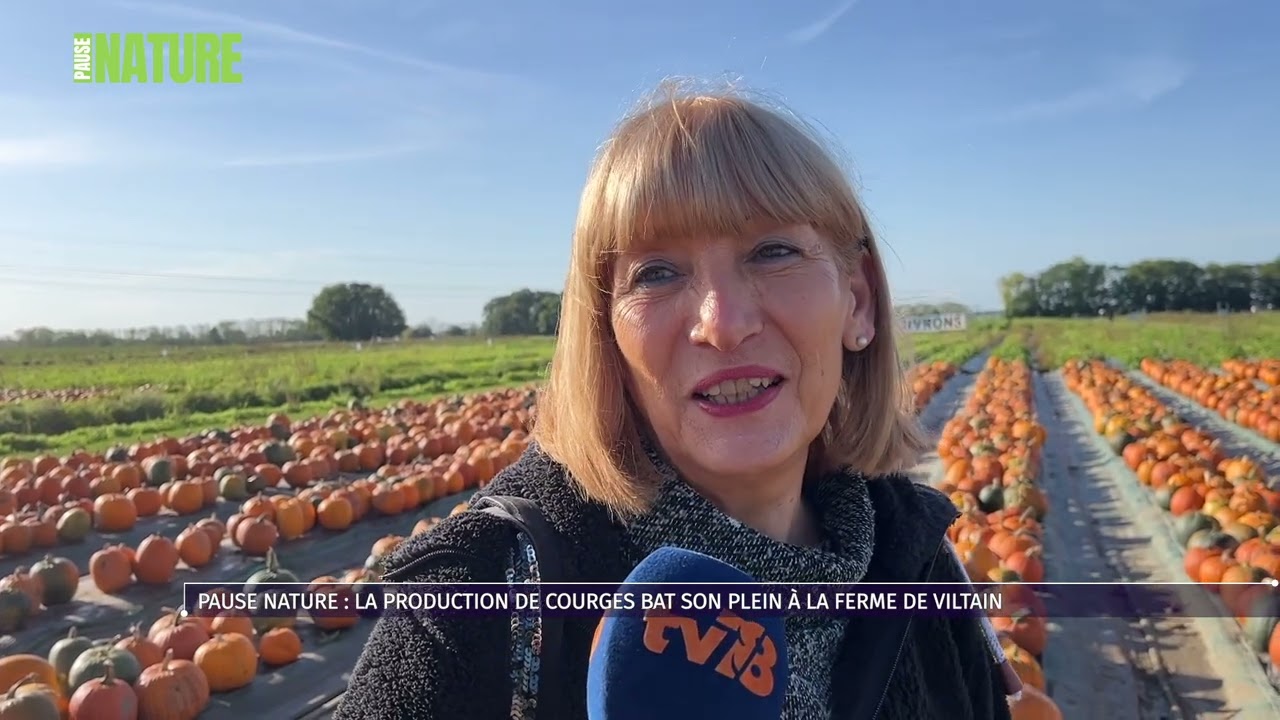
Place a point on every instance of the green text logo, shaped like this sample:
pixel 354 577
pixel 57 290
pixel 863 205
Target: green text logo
pixel 156 58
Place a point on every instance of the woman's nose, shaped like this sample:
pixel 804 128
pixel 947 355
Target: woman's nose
pixel 728 312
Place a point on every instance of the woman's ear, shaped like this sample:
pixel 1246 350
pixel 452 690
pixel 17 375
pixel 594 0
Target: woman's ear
pixel 860 325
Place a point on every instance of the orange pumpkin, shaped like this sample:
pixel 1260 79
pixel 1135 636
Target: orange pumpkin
pixel 229 661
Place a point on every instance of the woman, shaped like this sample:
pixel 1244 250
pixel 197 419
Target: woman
pixel 725 380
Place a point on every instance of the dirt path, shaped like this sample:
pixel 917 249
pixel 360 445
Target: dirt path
pixel 940 409
pixel 1102 527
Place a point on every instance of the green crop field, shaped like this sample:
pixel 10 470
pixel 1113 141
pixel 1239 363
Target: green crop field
pixel 68 398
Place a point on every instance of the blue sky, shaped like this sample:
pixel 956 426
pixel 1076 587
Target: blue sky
pixel 438 148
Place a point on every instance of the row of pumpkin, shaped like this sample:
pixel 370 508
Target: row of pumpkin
pixel 170 671
pixel 453 444
pixel 260 523
pixel 991 452
pixel 1223 509
pixel 1234 394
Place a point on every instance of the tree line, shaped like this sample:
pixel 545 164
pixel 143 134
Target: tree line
pixel 361 311
pixel 1078 287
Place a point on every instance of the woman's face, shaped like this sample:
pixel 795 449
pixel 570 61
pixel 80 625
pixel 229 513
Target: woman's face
pixel 734 346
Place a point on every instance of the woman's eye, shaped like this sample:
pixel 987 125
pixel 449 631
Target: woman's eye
pixel 773 251
pixel 652 274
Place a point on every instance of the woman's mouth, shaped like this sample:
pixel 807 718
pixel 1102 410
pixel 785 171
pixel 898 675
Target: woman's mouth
pixel 734 392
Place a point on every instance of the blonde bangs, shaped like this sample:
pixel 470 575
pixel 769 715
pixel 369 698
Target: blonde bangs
pixel 703 166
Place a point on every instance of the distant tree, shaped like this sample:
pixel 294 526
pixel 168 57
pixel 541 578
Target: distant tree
pixel 455 331
pixel 419 331
pixel 523 312
pixel 356 311
pixel 1079 288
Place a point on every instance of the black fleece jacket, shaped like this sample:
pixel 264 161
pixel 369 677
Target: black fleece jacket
pixel 449 668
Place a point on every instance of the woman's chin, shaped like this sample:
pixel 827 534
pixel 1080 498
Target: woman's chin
pixel 743 455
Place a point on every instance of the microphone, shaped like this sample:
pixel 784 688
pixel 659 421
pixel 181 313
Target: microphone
pixel 686 664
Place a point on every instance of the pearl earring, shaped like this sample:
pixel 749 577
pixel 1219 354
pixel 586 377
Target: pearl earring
pixel 861 342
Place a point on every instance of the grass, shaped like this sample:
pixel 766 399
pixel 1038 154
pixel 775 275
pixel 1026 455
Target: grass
pixel 1205 339
pixel 191 391
pixel 227 387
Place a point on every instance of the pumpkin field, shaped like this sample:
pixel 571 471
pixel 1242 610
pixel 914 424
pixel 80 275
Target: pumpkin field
pixel 1134 449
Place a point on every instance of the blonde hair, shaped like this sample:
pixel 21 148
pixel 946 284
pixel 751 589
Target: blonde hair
pixel 693 164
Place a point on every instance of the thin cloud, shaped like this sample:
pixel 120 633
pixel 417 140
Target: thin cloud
pixel 811 32
pixel 294 35
pixel 1136 82
pixel 325 157
pixel 45 151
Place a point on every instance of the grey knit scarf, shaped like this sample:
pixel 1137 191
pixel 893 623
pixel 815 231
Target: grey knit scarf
pixel 683 518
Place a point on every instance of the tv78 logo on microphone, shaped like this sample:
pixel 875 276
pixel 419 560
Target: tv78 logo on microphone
pixel 747 653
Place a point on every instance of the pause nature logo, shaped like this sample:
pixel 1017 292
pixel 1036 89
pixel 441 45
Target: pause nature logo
pixel 156 58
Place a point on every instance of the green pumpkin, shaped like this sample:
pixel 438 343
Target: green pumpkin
pixel 991 498
pixel 1164 497
pixel 160 471
pixel 74 525
pixel 93 662
pixel 233 486
pixel 255 484
pixel 66 651
pixel 271 572
pixel 1211 540
pixel 60 578
pixel 279 453
pixel 117 454
pixel 225 471
pixel 15 608
pixel 1191 523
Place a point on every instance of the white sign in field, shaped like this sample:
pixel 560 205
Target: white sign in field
pixel 944 322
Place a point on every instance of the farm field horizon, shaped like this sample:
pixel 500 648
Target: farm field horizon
pixel 1139 448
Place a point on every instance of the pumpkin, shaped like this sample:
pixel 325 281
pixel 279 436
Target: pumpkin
pixel 228 661
pixel 280 646
pixel 15 607
pixel 15 668
pixel 233 621
pixel 195 547
pixel 156 560
pixel 172 689
pixel 59 579
pixel 215 529
pixel 147 653
pixel 93 663
pixel 74 525
pixel 64 652
pixel 256 535
pixel 179 632
pixel 271 573
pixel 111 569
pixel 104 698
pixel 114 512
pixel 28 706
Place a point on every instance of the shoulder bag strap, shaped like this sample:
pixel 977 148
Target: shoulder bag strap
pixel 527 516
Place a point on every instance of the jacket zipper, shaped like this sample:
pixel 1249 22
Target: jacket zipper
pixel 903 643
pixel 418 562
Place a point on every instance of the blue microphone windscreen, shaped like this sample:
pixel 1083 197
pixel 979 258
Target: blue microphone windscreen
pixel 673 665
